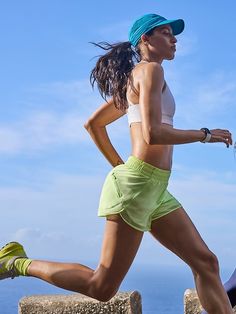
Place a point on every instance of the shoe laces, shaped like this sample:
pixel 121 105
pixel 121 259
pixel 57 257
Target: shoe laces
pixel 12 271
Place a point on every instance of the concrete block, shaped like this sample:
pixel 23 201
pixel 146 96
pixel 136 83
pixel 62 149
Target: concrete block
pixel 192 304
pixel 122 302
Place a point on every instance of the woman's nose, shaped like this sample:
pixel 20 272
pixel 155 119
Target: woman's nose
pixel 174 40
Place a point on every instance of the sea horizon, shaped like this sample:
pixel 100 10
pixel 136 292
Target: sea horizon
pixel 161 288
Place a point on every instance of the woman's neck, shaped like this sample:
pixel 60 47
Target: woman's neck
pixel 152 59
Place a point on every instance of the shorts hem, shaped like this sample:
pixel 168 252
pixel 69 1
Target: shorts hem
pixel 128 223
pixel 164 214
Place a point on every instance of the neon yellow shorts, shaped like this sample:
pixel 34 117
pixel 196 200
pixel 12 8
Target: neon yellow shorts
pixel 138 192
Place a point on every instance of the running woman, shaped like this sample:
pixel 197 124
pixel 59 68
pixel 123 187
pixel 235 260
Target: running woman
pixel 134 197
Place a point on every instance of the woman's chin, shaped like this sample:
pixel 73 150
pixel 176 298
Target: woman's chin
pixel 170 57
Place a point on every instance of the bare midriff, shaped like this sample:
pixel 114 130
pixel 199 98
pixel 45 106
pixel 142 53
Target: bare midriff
pixel 159 156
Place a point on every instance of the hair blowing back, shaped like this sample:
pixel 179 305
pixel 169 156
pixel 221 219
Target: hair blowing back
pixel 112 71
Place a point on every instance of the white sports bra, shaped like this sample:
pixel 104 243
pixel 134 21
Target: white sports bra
pixel 167 106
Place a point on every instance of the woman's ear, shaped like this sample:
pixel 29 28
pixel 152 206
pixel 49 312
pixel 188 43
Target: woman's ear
pixel 144 39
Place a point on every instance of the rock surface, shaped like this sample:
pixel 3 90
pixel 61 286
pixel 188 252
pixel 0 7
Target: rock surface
pixel 122 303
pixel 192 304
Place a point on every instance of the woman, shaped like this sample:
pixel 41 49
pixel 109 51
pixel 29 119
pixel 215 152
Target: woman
pixel 134 198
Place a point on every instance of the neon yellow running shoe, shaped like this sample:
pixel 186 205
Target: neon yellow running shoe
pixel 8 254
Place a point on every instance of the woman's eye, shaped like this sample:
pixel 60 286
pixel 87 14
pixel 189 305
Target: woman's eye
pixel 167 33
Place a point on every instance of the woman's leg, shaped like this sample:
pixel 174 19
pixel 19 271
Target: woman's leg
pixel 120 245
pixel 177 233
pixel 230 289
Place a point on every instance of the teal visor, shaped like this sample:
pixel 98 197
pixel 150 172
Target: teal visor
pixel 149 21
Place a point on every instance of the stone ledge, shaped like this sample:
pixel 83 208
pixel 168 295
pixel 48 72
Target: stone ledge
pixel 122 303
pixel 192 304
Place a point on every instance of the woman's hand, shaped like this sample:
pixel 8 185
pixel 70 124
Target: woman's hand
pixel 219 135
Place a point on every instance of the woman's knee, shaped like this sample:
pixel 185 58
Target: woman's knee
pixel 104 294
pixel 205 263
pixel 102 288
pixel 99 290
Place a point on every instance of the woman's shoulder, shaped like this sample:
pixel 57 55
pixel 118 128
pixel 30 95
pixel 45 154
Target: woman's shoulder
pixel 150 72
pixel 144 74
pixel 148 69
pixel 153 69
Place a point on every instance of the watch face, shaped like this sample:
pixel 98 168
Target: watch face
pixel 207 130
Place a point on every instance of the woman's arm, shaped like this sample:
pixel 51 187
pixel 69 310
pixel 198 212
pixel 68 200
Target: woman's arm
pixel 155 132
pixel 169 135
pixel 96 126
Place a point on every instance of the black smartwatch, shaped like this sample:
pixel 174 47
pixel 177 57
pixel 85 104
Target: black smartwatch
pixel 207 135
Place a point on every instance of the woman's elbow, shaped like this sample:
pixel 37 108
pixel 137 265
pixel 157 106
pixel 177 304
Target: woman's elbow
pixel 89 124
pixel 92 126
pixel 86 124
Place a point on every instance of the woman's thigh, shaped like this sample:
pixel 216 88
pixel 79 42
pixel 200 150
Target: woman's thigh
pixel 119 247
pixel 177 232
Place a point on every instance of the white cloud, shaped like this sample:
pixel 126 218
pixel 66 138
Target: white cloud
pixel 76 94
pixel 11 140
pixel 206 190
pixel 202 97
pixel 217 93
pixel 56 220
pixel 46 128
pixel 43 130
pixel 39 244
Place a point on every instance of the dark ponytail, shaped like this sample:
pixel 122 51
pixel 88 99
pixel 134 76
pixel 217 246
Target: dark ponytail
pixel 112 71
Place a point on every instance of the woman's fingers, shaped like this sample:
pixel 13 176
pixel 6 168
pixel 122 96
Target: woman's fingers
pixel 228 136
pixel 223 140
pixel 224 136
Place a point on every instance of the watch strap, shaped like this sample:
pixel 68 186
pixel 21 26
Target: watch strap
pixel 207 135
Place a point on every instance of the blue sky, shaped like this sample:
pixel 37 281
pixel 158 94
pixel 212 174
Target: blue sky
pixel 51 173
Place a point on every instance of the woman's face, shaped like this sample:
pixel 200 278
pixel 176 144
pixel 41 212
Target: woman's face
pixel 162 43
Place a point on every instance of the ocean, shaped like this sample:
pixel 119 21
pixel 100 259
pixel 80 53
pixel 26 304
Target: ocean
pixel 161 288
